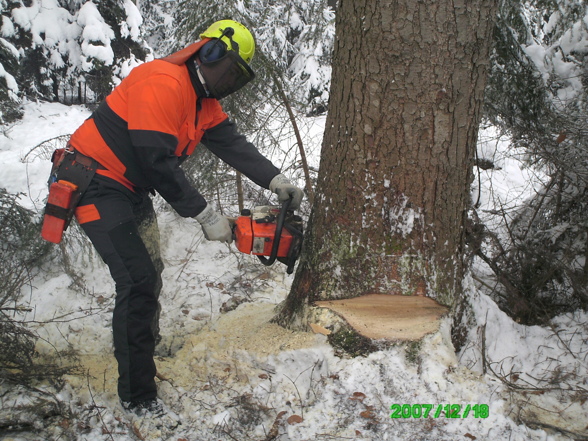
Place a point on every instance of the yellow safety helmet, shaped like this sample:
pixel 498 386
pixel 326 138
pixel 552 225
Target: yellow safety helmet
pixel 240 35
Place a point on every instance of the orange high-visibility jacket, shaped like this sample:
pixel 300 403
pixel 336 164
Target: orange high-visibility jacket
pixel 152 121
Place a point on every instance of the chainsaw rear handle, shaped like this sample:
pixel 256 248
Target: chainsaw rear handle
pixel 267 261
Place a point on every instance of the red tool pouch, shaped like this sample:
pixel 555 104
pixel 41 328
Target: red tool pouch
pixel 70 176
pixel 57 210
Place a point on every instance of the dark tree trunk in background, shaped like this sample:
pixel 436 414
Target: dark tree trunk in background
pixel 393 186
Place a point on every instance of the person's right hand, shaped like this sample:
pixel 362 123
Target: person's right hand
pixel 215 226
pixel 282 186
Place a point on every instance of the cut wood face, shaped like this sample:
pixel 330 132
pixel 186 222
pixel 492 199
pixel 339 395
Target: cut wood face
pixel 389 317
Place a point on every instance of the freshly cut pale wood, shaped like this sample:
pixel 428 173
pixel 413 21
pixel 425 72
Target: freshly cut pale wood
pixel 318 329
pixel 389 317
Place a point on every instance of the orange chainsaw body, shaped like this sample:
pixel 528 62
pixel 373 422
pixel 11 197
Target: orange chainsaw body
pixel 255 233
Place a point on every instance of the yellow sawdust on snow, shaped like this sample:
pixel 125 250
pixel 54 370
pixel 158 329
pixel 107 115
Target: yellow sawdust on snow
pixel 214 351
pixel 209 352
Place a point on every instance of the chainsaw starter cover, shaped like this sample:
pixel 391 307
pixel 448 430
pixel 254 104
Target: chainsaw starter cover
pixel 256 236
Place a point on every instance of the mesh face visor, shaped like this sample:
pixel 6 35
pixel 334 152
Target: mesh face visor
pixel 226 75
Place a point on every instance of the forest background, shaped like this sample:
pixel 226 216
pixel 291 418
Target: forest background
pixel 528 254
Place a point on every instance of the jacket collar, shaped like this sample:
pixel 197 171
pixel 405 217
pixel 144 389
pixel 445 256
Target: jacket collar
pixel 180 57
pixel 187 56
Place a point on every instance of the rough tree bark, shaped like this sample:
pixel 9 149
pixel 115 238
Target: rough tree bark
pixel 393 185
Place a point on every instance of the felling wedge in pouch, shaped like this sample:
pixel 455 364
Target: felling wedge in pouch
pixel 70 176
pixel 271 233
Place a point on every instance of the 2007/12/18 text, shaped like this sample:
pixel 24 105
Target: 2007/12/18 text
pixel 439 410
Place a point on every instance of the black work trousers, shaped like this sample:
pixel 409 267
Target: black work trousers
pixel 123 228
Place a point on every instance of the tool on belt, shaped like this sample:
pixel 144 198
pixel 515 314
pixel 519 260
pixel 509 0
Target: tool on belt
pixel 70 176
pixel 271 233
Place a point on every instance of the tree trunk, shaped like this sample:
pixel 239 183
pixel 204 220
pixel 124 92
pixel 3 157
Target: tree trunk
pixel 393 185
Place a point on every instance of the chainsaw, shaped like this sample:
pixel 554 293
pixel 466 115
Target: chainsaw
pixel 271 233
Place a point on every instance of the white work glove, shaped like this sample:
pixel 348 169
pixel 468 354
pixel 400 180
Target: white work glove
pixel 281 186
pixel 215 226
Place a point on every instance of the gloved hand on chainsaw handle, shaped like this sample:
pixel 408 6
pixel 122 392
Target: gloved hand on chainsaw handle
pixel 215 226
pixel 285 190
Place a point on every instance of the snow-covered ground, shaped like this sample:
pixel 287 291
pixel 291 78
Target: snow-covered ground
pixel 227 373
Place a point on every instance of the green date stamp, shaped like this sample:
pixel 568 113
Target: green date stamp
pixel 439 410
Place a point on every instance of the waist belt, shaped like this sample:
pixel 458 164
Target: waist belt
pixel 86 161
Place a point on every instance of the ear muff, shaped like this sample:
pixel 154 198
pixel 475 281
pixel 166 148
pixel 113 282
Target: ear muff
pixel 212 51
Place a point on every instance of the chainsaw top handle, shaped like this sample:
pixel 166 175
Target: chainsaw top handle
pixel 267 261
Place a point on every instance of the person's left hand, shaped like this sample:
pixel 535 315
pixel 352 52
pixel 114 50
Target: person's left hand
pixel 285 190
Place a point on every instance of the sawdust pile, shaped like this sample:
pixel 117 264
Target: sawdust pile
pixel 220 347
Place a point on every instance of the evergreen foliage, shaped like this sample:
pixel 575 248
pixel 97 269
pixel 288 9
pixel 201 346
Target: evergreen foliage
pixel 67 51
pixel 294 41
pixel 21 250
pixel 537 95
pixel 159 25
